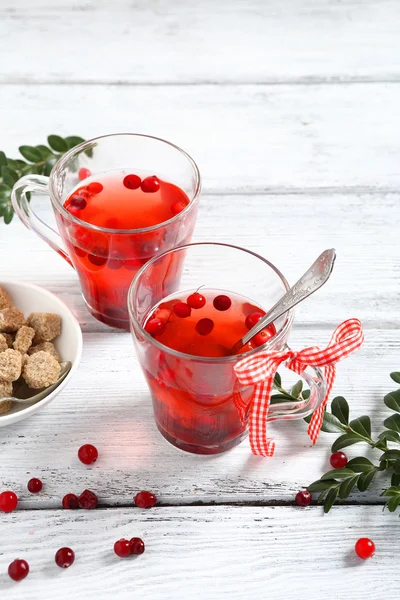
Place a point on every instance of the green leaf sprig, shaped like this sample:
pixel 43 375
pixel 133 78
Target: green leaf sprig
pixel 39 160
pixel 360 471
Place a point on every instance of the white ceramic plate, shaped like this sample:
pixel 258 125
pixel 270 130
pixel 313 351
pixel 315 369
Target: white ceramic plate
pixel 32 298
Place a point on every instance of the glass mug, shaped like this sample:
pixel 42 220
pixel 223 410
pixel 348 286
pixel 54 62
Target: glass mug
pixel 104 280
pixel 195 398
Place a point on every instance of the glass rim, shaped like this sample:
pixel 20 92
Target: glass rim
pixel 63 161
pixel 207 359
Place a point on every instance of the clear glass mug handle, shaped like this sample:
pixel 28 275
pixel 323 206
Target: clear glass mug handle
pixel 289 411
pixel 36 183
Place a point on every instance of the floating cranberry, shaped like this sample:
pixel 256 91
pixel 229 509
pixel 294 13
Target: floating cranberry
pixel 78 203
pixel 115 260
pixel 145 500
pixel 182 310
pixel 94 188
pixel 18 569
pixel 98 256
pixel 70 501
pixel 79 252
pixel 303 498
pixel 204 326
pixel 154 326
pixel 196 300
pixel 132 182
pixel 8 501
pixel 338 460
pixel 136 545
pixel 178 206
pixel 88 500
pixel 83 193
pixel 253 319
pixel 150 184
pixel 88 454
pixel 364 548
pixel 34 485
pixel 222 302
pixel 122 548
pixel 64 557
pixel 84 174
pixel 264 335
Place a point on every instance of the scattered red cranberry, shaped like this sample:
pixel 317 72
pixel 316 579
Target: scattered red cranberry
pixel 204 326
pixel 182 310
pixel 84 174
pixel 303 498
pixel 132 182
pixel 145 500
pixel 78 203
pixel 8 501
pixel 88 500
pixel 70 501
pixel 338 460
pixel 196 300
pixel 364 548
pixel 150 184
pixel 35 485
pixel 99 256
pixel 137 546
pixel 82 192
pixel 222 302
pixel 154 326
pixel 178 207
pixel 88 454
pixel 253 319
pixel 64 557
pixel 94 188
pixel 264 335
pixel 18 569
pixel 122 548
pixel 114 260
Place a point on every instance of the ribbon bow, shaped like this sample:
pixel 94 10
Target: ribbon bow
pixel 260 369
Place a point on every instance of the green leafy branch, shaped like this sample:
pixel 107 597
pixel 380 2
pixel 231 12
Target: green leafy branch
pixel 39 160
pixel 360 471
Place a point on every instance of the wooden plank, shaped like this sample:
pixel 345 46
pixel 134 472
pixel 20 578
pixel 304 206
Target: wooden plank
pixel 220 552
pixel 108 404
pixel 244 138
pixel 290 230
pixel 192 42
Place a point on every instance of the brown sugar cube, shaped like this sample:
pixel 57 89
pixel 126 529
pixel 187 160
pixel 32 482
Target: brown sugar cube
pixel 5 407
pixel 23 339
pixel 5 301
pixel 46 325
pixel 11 319
pixel 3 344
pixel 41 370
pixel 45 347
pixel 9 337
pixel 6 388
pixel 10 365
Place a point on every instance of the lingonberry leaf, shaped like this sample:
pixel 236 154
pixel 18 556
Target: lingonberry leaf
pixel 30 153
pixel 365 479
pixel 306 394
pixel 337 474
pixel 9 175
pixel 45 152
pixel 391 455
pixel 346 487
pixel 48 167
pixel 391 491
pixel 73 140
pixel 362 426
pixel 390 436
pixel 395 479
pixel 393 503
pixel 392 400
pixel 57 143
pixel 360 464
pixel 319 486
pixel 277 380
pixel 3 159
pixel 393 422
pixel 8 214
pixel 340 409
pixel 277 398
pixel 348 439
pixel 395 376
pixel 296 389
pixel 330 498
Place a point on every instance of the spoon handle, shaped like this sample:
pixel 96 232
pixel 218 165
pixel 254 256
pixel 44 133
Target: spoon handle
pixel 310 282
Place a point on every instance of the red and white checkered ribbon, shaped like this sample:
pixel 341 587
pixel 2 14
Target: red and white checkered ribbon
pixel 260 369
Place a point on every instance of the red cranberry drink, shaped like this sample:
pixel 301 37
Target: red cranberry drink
pixel 204 323
pixel 118 200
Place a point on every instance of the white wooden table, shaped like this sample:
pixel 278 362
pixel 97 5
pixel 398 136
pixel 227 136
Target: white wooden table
pixel 291 109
